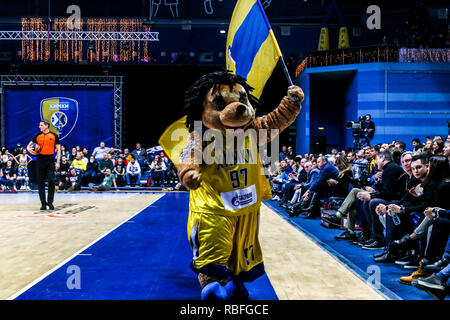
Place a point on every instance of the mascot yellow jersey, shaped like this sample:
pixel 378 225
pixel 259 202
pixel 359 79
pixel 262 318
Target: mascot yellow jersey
pixel 231 189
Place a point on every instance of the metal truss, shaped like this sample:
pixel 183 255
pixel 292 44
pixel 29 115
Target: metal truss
pixel 79 35
pixel 68 80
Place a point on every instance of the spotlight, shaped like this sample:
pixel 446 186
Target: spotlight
pixel 222 31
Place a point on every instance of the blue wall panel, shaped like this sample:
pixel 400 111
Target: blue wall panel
pixel 406 100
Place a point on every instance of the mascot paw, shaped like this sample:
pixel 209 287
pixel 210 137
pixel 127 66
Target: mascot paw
pixel 295 93
pixel 214 291
pixel 237 291
pixel 192 179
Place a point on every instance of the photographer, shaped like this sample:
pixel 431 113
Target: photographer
pixel 369 128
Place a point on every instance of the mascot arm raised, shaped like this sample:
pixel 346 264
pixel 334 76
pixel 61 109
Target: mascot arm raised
pixel 189 167
pixel 283 116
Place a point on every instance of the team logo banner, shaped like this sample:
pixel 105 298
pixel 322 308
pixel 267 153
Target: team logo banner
pixel 62 113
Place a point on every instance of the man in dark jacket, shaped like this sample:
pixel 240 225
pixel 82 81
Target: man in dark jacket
pixel 140 154
pixel 369 129
pixel 392 187
pixel 405 207
pixel 295 203
pixel 320 187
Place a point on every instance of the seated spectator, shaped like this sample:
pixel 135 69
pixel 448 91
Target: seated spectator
pixel 5 157
pixel 140 155
pixel 319 188
pixel 428 146
pixel 105 163
pixel 351 156
pixel 8 176
pixel 437 187
pixel 78 162
pixel 108 181
pixel 437 146
pixel 72 180
pixel 396 155
pixel 92 171
pixel 64 152
pixel 158 170
pixel 283 153
pixel 405 208
pixel 73 155
pixel 416 144
pixel 297 176
pixel 296 204
pixel 127 155
pixel 115 153
pixel 334 152
pixel 86 154
pixel 400 146
pixel 62 171
pixel 133 171
pixel 281 178
pixel 340 185
pixel 99 152
pixel 124 160
pixel 290 153
pixel 360 165
pixel 446 150
pixel 392 187
pixel 119 171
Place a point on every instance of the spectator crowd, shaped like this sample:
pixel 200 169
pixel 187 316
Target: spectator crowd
pixel 103 168
pixel 389 197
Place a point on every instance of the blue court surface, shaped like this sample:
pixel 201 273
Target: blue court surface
pixel 147 257
pixel 358 260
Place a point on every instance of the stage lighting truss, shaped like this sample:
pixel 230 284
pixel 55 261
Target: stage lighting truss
pixel 80 35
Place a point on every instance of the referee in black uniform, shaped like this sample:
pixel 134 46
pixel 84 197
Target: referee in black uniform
pixel 45 166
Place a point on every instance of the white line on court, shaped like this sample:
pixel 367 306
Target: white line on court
pixel 76 254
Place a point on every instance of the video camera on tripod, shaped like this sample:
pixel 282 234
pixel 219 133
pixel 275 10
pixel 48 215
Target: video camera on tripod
pixel 357 128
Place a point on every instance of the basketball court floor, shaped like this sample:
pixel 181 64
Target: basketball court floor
pixel 133 245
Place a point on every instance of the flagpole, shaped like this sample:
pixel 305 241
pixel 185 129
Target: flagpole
pixel 286 71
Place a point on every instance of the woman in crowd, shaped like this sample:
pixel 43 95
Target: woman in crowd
pixel 73 155
pixel 92 171
pixel 22 160
pixel 64 152
pixel 340 186
pixel 437 146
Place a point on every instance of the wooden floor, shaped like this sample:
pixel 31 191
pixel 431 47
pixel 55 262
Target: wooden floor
pixel 300 270
pixel 36 242
pixel 33 242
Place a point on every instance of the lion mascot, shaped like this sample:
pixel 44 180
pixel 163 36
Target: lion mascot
pixel 225 196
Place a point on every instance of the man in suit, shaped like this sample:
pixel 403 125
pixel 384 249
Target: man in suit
pixel 320 187
pixel 392 187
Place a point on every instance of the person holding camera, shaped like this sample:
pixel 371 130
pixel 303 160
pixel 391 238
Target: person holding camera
pixel 369 128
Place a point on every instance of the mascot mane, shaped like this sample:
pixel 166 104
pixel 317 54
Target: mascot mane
pixel 194 97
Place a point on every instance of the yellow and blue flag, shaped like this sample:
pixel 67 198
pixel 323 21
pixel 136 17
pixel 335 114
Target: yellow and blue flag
pixel 252 50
